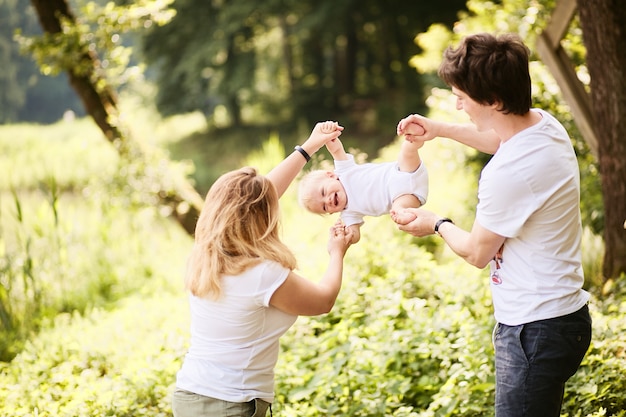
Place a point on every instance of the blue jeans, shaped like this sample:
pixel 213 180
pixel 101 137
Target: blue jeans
pixel 534 360
pixel 189 404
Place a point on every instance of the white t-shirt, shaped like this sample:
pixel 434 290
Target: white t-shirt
pixel 234 340
pixel 371 188
pixel 529 192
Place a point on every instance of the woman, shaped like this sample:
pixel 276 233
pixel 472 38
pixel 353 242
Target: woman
pixel 244 293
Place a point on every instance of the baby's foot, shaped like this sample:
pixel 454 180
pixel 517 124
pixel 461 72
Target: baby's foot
pixel 402 216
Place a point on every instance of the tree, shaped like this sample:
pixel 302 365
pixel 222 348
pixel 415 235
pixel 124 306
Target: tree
pixel 12 97
pixel 287 60
pixel 69 45
pixel 25 93
pixel 604 32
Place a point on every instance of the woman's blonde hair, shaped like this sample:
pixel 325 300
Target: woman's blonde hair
pixel 237 229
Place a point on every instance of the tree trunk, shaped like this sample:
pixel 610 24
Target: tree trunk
pixel 98 105
pixel 101 105
pixel 604 33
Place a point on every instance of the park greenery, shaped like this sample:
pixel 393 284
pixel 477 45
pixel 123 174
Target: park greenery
pixel 95 317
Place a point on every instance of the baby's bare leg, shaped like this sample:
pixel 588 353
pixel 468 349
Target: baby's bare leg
pixel 409 159
pixel 398 212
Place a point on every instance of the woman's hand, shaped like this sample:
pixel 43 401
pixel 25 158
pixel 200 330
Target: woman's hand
pixel 322 133
pixel 340 238
pixel 285 172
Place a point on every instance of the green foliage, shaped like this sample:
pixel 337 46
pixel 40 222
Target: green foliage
pixel 410 334
pixel 31 155
pixel 527 19
pixel 600 381
pixel 24 93
pixel 68 197
pixel 11 96
pixel 118 363
pixel 400 338
pixel 96 31
pixel 274 62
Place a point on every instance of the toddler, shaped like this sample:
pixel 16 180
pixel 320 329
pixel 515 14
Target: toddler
pixel 370 189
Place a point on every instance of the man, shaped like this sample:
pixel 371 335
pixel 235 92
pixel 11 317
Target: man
pixel 527 225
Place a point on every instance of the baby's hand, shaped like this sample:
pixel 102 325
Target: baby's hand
pixel 328 126
pixel 322 133
pixel 340 238
pixel 418 128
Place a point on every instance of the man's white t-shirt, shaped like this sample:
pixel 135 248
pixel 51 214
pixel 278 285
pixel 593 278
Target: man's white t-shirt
pixel 529 192
pixel 235 340
pixel 371 188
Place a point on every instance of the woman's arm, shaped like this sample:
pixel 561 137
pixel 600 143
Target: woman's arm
pixel 284 173
pixel 300 296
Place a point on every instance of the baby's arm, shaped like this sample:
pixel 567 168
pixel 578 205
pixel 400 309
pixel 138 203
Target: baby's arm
pixel 335 147
pixel 356 232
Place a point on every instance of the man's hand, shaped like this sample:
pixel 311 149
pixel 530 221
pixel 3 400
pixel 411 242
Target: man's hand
pixel 416 128
pixel 422 225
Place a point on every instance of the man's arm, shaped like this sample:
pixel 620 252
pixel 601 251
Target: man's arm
pixel 467 134
pixel 477 247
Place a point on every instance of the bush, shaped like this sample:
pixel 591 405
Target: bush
pixel 119 363
pixel 410 334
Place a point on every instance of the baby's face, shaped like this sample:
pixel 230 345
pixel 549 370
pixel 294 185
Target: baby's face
pixel 328 195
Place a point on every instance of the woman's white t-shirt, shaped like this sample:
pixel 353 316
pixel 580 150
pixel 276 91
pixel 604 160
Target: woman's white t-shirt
pixel 234 340
pixel 529 192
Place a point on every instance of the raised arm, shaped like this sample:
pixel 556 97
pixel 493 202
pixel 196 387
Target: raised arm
pixel 467 134
pixel 284 173
pixel 335 147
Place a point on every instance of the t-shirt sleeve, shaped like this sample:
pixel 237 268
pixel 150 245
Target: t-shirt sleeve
pixel 272 277
pixel 349 218
pixel 505 202
pixel 345 164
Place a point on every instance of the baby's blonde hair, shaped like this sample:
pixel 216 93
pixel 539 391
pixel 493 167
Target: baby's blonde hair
pixel 307 186
pixel 237 229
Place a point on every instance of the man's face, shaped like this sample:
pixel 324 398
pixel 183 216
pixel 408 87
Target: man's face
pixel 479 114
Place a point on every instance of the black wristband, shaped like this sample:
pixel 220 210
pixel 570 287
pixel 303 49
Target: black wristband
pixel 303 152
pixel 440 222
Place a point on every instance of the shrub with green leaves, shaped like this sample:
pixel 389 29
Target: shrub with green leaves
pixel 410 334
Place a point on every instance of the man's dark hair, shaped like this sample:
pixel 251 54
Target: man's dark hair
pixel 490 69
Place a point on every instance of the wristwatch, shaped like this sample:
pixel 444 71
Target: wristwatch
pixel 440 222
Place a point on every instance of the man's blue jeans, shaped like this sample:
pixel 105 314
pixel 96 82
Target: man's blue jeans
pixel 534 360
